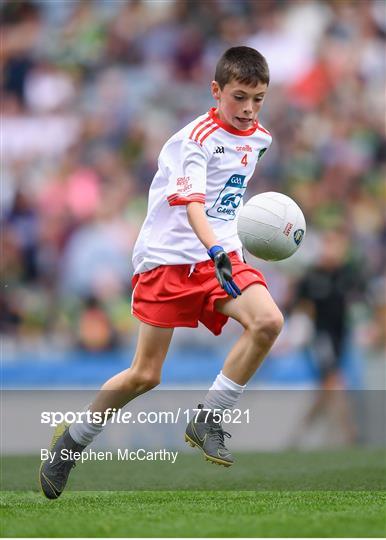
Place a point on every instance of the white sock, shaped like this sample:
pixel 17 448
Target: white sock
pixel 85 432
pixel 223 394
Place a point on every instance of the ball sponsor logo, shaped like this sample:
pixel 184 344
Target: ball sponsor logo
pixel 288 228
pixel 298 236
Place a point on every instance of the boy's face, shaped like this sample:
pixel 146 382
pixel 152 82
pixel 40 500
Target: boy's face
pixel 239 104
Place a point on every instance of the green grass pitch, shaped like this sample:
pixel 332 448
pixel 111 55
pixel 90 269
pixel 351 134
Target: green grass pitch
pixel 286 494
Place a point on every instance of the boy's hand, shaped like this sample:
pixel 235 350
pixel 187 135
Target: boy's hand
pixel 223 269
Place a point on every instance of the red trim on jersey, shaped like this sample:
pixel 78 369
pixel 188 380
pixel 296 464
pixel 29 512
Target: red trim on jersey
pixel 260 128
pixel 208 133
pixel 178 200
pixel 213 114
pixel 198 125
pixel 208 126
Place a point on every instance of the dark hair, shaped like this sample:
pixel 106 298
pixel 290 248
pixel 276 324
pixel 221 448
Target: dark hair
pixel 243 64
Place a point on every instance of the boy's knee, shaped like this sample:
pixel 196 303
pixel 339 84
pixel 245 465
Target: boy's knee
pixel 266 327
pixel 145 380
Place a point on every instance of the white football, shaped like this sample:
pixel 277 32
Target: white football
pixel 271 226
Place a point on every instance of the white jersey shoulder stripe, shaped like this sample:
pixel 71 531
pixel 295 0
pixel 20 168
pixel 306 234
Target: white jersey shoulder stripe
pixel 207 127
pixel 214 127
pixel 204 121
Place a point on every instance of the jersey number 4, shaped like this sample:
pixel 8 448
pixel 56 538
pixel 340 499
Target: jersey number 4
pixel 244 160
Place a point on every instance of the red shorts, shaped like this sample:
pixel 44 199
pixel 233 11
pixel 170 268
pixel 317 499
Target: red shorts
pixel 168 296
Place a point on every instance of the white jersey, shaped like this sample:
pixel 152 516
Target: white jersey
pixel 206 161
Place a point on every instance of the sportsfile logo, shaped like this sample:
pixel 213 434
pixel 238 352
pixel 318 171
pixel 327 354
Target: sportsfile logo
pixel 119 416
pixel 219 150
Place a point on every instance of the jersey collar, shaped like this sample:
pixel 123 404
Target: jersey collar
pixel 231 129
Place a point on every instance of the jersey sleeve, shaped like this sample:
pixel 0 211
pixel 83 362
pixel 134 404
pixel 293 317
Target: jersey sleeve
pixel 187 179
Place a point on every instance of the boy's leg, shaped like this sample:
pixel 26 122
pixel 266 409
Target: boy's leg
pixel 144 374
pixel 262 322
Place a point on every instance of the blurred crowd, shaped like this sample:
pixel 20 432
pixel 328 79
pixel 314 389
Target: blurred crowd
pixel 92 89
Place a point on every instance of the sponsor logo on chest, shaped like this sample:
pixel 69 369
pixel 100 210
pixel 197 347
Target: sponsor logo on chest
pixel 245 148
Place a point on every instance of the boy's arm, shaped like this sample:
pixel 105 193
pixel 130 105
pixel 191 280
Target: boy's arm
pixel 200 225
pixel 223 266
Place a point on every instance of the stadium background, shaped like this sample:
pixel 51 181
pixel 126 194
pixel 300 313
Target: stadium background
pixel 91 91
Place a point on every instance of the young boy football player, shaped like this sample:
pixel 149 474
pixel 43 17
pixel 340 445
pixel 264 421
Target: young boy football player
pixel 189 266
